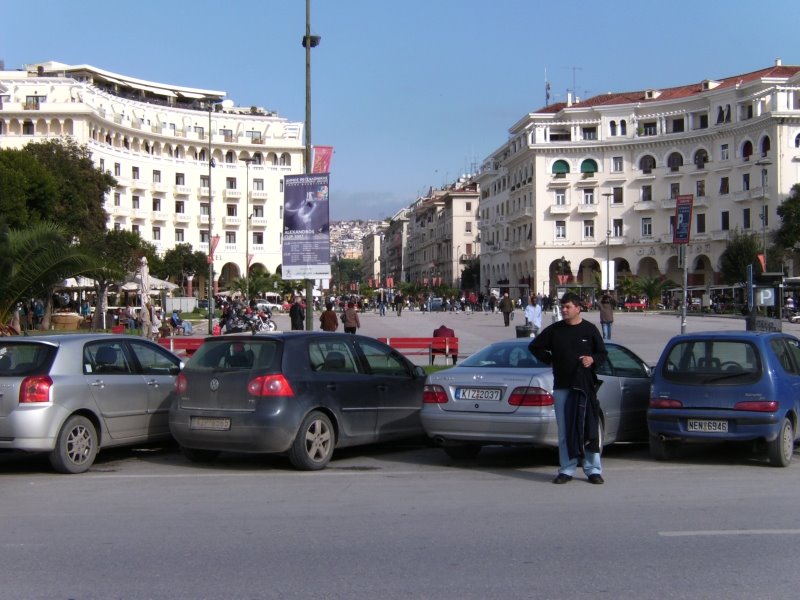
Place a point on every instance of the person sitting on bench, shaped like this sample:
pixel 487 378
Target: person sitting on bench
pixel 445 332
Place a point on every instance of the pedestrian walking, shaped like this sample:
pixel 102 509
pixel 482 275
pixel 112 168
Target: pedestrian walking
pixel 350 320
pixel 297 315
pixel 506 307
pixel 533 315
pixel 399 302
pixel 328 321
pixel 606 315
pixel 574 348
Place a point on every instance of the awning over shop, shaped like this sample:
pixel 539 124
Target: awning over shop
pixel 589 166
pixel 560 167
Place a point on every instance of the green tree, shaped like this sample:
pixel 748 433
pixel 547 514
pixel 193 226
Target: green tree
pixel 653 288
pixel 787 235
pixel 471 275
pixel 80 187
pixel 28 191
pixel 742 250
pixel 33 260
pixel 179 263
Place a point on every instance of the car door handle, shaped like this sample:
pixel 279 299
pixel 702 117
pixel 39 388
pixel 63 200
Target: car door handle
pixel 98 383
pixel 153 382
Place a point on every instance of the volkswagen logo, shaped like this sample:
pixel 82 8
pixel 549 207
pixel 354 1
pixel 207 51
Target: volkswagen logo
pixel 214 385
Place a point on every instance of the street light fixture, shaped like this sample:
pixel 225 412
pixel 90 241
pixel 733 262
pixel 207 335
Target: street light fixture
pixel 608 196
pixel 764 163
pixel 247 162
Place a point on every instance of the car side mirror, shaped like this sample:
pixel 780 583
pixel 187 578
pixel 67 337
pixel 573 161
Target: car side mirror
pixel 419 371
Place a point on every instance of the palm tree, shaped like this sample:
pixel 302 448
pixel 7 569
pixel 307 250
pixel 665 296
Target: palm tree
pixel 32 261
pixel 652 288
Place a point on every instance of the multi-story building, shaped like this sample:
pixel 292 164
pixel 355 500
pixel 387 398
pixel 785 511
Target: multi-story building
pixel 394 242
pixel 180 155
pixel 582 182
pixel 443 234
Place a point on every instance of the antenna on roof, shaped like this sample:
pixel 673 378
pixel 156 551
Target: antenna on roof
pixel 546 89
pixel 574 89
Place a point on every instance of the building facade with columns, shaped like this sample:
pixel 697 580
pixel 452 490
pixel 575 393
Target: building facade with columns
pixel 158 141
pixel 581 182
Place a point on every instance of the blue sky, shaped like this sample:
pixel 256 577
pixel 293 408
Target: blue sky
pixel 412 93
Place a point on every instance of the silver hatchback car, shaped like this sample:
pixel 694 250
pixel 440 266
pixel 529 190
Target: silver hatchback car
pixel 69 395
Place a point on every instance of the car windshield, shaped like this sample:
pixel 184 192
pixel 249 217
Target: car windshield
pixel 505 356
pixel 234 354
pixel 21 358
pixel 708 361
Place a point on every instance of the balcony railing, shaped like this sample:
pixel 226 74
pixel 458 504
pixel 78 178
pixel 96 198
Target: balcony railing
pixel 233 194
pixel 183 190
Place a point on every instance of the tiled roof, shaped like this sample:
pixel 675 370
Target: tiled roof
pixel 683 91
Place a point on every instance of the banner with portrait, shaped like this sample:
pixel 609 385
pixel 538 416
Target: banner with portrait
pixel 306 227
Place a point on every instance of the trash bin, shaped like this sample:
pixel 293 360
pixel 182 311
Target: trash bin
pixel 524 331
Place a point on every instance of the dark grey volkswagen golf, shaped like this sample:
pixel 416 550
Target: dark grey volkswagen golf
pixel 300 393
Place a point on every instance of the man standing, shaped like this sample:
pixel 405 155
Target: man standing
pixel 533 315
pixel 328 321
pixel 606 315
pixel 399 301
pixel 297 315
pixel 574 348
pixel 506 307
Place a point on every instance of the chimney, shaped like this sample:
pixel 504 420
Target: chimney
pixel 569 98
pixel 778 62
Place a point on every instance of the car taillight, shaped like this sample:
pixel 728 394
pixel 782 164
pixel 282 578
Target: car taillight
pixel 530 396
pixel 270 385
pixel 35 389
pixel 665 403
pixel 433 394
pixel 757 405
pixel 181 385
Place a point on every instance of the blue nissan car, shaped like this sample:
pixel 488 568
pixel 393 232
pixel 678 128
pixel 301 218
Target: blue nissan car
pixel 734 385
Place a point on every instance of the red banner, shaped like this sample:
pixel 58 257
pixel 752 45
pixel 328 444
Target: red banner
pixel 214 243
pixel 322 159
pixel 390 282
pixel 763 260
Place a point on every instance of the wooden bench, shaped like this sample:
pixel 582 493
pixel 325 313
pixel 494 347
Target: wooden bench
pixel 430 346
pixel 181 345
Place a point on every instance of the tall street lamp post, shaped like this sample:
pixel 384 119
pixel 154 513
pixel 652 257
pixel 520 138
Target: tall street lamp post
pixel 608 196
pixel 309 42
pixel 247 162
pixel 210 242
pixel 764 163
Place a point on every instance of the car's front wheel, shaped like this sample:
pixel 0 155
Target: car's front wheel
pixel 76 446
pixel 780 449
pixel 313 447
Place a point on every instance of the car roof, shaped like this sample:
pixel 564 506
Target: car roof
pixel 68 338
pixel 739 335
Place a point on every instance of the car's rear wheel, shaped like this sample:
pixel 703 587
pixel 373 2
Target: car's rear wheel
pixel 76 446
pixel 780 449
pixel 198 455
pixel 313 447
pixel 661 449
pixel 462 451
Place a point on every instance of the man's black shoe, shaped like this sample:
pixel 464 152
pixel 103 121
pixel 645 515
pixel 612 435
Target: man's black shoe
pixel 596 479
pixel 562 478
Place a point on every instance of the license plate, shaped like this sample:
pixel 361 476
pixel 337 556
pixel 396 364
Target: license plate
pixel 213 423
pixel 477 394
pixel 707 426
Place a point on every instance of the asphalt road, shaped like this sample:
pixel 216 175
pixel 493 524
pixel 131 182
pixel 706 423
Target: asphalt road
pixel 404 520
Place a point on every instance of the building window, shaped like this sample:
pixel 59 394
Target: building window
pixel 230 183
pixel 204 236
pixel 617 199
pixel 588 230
pixel 135 172
pixel 117 169
pixel 649 128
pixel 672 225
pixel 230 237
pixel 701 223
pixel 723 152
pixel 746 218
pixel 156 176
pixel 258 185
pixel 723 185
pixel 258 238
pixel 468 206
pixel 156 233
pixel 701 188
pixel 231 210
pixel 280 186
pixel 200 131
pixel 156 204
pixel 590 133
pixel 468 226
pixel 561 230
pixel 180 179
pixel 612 128
pixel 677 125
pixel 647 193
pixel 588 196
pixel 102 164
pixel 135 201
pixel 647 227
pixel 617 164
pixel 258 212
pixel 725 220
pixel 117 227
pixel 117 199
pixel 227 134
pixel 230 157
pixel 204 208
pixel 647 164
pixel 765 216
pixel 674 190
pixel 617 228
pixel 179 235
pixel 561 198
pixel 27 128
pixel 179 207
pixel 623 127
pixel 204 181
pixel 745 181
pixel 135 228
